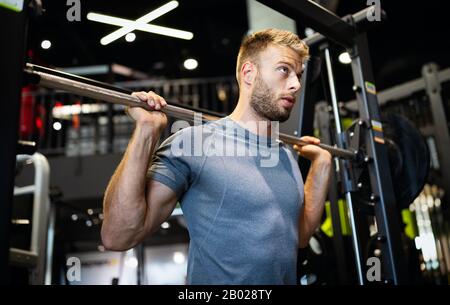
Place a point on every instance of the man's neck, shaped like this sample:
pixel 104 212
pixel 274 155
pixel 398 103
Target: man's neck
pixel 245 116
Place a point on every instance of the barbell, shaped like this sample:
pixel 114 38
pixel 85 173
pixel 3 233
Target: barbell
pixel 82 86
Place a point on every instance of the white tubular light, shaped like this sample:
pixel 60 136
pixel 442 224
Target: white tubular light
pixel 141 21
pixel 124 23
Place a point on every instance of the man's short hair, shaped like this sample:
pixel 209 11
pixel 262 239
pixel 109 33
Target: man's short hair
pixel 257 42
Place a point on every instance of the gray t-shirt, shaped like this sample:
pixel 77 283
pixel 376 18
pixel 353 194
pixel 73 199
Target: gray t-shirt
pixel 241 195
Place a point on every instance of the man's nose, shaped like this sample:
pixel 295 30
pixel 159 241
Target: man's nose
pixel 294 84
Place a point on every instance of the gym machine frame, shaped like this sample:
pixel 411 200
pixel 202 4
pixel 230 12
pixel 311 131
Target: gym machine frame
pixel 430 82
pixel 12 53
pixel 39 256
pixel 349 32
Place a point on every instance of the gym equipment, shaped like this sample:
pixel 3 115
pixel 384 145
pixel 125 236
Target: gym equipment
pixel 374 157
pixel 409 159
pixel 108 93
pixel 422 101
pixel 26 147
pixel 36 256
pixel 314 264
pixel 12 54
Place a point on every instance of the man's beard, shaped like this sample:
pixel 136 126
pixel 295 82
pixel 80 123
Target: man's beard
pixel 264 102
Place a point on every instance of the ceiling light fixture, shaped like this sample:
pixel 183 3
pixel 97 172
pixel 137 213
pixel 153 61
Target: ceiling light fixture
pixel 190 64
pixel 46 44
pixel 345 58
pixel 141 24
pixel 150 28
pixel 130 37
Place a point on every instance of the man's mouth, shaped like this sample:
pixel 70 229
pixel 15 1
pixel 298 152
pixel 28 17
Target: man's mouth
pixel 288 101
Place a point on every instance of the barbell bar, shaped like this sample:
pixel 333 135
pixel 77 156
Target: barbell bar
pixel 54 79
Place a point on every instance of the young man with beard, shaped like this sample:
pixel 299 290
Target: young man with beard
pixel 246 220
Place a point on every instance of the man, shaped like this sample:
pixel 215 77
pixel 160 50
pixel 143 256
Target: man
pixel 246 219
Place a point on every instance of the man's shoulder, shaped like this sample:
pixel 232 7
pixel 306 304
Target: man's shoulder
pixel 191 134
pixel 206 128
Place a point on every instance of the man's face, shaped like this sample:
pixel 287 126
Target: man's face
pixel 277 83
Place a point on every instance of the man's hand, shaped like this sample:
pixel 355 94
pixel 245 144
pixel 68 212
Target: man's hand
pixel 156 120
pixel 312 152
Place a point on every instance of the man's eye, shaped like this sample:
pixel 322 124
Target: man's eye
pixel 284 69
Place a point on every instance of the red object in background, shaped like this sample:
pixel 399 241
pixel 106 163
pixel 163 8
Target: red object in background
pixel 26 123
pixel 76 118
pixel 31 123
pixel 32 116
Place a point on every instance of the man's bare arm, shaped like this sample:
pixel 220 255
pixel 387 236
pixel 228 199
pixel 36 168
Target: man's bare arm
pixel 133 206
pixel 315 189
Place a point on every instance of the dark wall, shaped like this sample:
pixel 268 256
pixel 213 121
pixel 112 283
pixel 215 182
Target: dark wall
pixel 77 177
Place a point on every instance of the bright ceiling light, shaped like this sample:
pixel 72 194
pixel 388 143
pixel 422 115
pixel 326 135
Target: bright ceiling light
pixel 162 30
pixel 57 126
pixel 140 21
pixel 150 28
pixel 128 26
pixel 190 64
pixel 345 58
pixel 46 44
pixel 130 37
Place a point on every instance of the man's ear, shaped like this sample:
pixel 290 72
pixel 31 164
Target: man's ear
pixel 248 72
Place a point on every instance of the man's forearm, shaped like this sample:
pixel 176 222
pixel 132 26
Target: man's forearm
pixel 125 205
pixel 316 190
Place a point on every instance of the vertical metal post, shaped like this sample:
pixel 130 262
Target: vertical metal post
pixel 323 121
pixel 386 212
pixel 301 120
pixel 12 54
pixel 140 270
pixel 440 122
pixel 50 245
pixel 344 173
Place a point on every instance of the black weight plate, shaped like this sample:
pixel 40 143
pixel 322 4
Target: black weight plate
pixel 409 157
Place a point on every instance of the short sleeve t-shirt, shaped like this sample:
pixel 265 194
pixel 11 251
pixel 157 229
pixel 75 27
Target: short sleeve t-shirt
pixel 241 195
